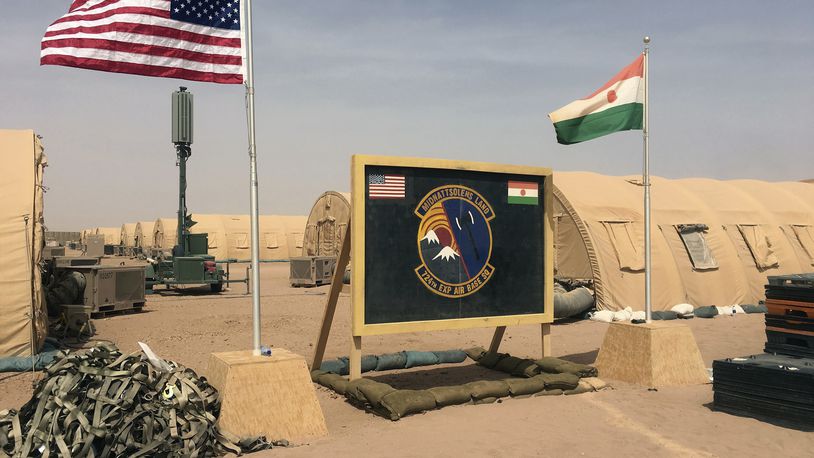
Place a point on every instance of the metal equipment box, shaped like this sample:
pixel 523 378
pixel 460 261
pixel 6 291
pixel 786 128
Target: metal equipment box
pixel 113 288
pixel 312 270
pixel 62 262
pixel 95 245
pixel 50 252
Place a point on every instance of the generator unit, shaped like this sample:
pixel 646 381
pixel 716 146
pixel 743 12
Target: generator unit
pixel 71 281
pixel 311 270
pixel 112 288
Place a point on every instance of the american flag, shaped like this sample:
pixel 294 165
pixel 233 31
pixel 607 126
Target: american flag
pixel 197 40
pixel 381 186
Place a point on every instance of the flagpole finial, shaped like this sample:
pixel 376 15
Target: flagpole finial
pixel 646 39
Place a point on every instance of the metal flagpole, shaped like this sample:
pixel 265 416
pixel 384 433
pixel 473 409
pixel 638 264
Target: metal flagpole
pixel 646 184
pixel 255 264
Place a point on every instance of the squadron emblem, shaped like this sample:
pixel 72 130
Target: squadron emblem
pixel 454 241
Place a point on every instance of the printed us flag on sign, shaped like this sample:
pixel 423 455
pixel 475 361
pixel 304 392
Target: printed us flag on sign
pixel 382 186
pixel 197 40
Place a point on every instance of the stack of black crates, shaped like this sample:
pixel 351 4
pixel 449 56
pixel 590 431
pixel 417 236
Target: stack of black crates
pixel 780 382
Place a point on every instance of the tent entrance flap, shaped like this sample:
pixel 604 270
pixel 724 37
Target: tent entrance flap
pixel 626 245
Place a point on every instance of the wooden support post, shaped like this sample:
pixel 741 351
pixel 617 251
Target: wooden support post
pixel 545 329
pixel 355 358
pixel 333 298
pixel 493 347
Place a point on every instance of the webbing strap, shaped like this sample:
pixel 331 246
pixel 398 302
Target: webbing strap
pixel 103 403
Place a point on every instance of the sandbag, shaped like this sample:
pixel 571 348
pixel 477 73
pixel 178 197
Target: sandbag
pixel 726 310
pixel 316 373
pixel 553 365
pixel 751 308
pixel 709 311
pixel 391 361
pixel 603 316
pixel 369 363
pixel 450 395
pixel 551 392
pixel 527 368
pixel 664 315
pixel 450 356
pixel 400 403
pixel 524 386
pixel 638 315
pixel 420 358
pixel 337 366
pixel 682 309
pixel 374 392
pixel 475 353
pixel 559 381
pixel 582 387
pixel 623 315
pixel 353 393
pixel 333 381
pixel 487 388
pixel 597 383
pixel 738 309
pixel 508 364
pixel 489 400
pixel 490 359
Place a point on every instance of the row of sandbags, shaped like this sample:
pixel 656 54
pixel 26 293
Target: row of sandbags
pixel 679 311
pixel 391 361
pixel 548 376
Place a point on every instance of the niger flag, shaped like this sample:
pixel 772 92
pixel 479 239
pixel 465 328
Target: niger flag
pixel 616 106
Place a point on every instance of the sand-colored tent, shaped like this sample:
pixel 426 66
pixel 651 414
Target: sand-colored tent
pixel 127 235
pixel 85 233
pixel 327 224
pixel 143 235
pixel 21 242
pixel 112 234
pixel 165 233
pixel 229 236
pixel 213 226
pixel 713 243
pixel 281 236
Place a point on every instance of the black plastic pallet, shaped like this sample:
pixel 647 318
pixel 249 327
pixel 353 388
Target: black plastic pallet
pixel 790 293
pixel 745 405
pixel 790 323
pixel 788 339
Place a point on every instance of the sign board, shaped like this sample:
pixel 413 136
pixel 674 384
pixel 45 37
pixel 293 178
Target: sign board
pixel 440 244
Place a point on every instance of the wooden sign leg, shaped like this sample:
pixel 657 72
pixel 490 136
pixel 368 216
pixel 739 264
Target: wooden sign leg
pixel 493 347
pixel 355 358
pixel 333 298
pixel 545 329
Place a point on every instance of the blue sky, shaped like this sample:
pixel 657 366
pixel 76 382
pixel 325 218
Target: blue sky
pixel 731 97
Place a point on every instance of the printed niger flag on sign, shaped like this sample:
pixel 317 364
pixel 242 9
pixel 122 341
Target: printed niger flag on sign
pixel 523 192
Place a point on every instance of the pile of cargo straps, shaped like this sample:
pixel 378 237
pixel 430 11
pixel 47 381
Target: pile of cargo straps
pixel 102 403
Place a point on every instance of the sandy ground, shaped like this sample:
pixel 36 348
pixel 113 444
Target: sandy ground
pixel 625 420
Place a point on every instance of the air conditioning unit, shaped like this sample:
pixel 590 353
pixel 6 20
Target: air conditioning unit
pixel 112 288
pixel 312 270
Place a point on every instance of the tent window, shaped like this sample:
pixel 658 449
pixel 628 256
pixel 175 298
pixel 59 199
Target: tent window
pixel 271 240
pixel 241 240
pixel 696 244
pixel 759 245
pixel 297 239
pixel 806 238
pixel 629 251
